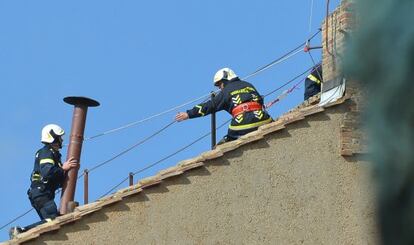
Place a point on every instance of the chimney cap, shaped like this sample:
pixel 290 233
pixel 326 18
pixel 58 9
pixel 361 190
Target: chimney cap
pixel 79 100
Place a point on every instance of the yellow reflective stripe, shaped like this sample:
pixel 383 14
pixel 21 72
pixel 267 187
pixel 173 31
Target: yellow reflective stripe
pixel 259 114
pixel 239 118
pixel 243 91
pixel 36 177
pixel 236 100
pixel 313 78
pixel 47 160
pixel 200 110
pixel 251 125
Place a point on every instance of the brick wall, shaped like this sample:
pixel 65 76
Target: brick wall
pixel 338 28
pixel 340 23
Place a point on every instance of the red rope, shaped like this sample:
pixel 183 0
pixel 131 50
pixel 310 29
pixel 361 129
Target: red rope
pixel 284 94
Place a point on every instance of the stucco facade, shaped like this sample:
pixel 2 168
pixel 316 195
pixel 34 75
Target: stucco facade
pixel 292 187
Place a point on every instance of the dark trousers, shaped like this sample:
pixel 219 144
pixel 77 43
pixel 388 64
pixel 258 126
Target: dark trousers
pixel 45 207
pixel 311 89
pixel 248 119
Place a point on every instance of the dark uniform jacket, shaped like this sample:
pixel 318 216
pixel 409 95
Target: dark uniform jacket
pixel 235 92
pixel 313 83
pixel 47 175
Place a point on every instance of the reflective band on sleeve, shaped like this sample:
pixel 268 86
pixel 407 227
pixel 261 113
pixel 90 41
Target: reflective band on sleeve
pixel 313 78
pixel 47 160
pixel 245 90
pixel 200 110
pixel 36 177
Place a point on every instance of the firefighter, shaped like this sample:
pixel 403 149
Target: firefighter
pixel 237 97
pixel 313 82
pixel 48 175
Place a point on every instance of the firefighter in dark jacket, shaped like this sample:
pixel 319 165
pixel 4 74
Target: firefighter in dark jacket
pixel 313 82
pixel 237 97
pixel 48 175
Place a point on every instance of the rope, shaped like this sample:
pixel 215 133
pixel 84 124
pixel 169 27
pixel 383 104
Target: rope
pixel 287 83
pixel 284 57
pixel 327 31
pixel 165 158
pixel 280 97
pixel 131 147
pixel 147 119
pixel 15 219
pixel 159 161
pixel 311 16
pixel 279 60
pixel 176 152
pixel 286 92
pixel 205 135
pixel 315 65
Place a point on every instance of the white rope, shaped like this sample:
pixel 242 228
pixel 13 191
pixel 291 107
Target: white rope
pixel 275 63
pixel 148 118
pixel 287 56
pixel 294 52
pixel 311 17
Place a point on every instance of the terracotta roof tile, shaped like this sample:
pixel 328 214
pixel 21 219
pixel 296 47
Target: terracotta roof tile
pixel 229 146
pixel 37 231
pixel 89 208
pixel 26 236
pixel 311 110
pixel 148 182
pixel 251 137
pixel 208 155
pixel 111 199
pixel 135 190
pixel 65 217
pixel 190 161
pixel 277 126
pixel 338 102
pixel 192 165
pixel 170 172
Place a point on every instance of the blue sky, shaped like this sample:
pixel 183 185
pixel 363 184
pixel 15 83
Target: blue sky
pixel 137 58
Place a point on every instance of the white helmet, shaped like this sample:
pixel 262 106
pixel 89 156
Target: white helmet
pixel 50 131
pixel 224 74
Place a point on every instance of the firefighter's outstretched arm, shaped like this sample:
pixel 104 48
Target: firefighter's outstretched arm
pixel 202 109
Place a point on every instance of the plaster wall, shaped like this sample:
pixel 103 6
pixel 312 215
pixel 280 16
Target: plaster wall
pixel 293 187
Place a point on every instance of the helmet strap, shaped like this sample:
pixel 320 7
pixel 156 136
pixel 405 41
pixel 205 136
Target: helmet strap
pixel 225 75
pixel 57 139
